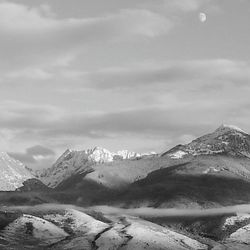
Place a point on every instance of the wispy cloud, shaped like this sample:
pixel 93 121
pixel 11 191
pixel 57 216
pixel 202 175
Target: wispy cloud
pixel 35 35
pixel 162 96
pixel 170 74
pixel 169 212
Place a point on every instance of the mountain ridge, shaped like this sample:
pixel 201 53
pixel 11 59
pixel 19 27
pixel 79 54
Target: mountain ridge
pixel 227 139
pixel 13 173
pixel 82 161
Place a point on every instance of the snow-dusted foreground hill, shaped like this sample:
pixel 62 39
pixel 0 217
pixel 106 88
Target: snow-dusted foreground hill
pixel 67 227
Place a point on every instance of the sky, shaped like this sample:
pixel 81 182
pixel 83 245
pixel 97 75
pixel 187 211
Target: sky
pixel 142 75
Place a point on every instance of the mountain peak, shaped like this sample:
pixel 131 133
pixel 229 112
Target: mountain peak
pixel 227 127
pixel 73 161
pixel 227 139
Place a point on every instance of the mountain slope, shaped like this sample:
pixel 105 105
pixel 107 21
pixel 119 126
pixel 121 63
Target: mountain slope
pixel 82 162
pixel 214 171
pixel 226 139
pixel 66 228
pixel 13 173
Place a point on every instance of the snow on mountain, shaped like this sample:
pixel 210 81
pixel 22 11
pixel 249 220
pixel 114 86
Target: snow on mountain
pixel 13 173
pixel 102 155
pixel 125 154
pixel 178 154
pixel 227 139
pixel 99 155
pixel 230 127
pixel 234 220
pixel 73 162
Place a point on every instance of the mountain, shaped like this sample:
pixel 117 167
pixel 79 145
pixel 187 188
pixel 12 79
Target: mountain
pixel 73 162
pixel 212 170
pixel 181 199
pixel 227 139
pixel 13 173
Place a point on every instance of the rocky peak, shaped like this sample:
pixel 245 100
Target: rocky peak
pixel 227 139
pixel 224 128
pixel 100 155
pixel 73 161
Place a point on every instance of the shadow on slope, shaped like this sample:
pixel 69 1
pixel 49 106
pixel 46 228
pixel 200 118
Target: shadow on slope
pixel 166 187
pixel 161 189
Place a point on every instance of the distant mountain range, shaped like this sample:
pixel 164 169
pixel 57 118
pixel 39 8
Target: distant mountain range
pixel 211 170
pixel 73 162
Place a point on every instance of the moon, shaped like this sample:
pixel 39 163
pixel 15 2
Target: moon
pixel 203 17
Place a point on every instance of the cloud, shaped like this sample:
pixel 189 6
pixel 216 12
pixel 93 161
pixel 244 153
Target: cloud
pixel 149 212
pixel 169 75
pixel 39 150
pixel 35 156
pixel 185 5
pixel 33 36
pixel 32 73
pixel 35 41
pixel 149 121
pixel 208 92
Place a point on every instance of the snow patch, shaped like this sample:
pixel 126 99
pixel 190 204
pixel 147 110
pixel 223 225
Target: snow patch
pixel 210 170
pixel 178 154
pixel 231 221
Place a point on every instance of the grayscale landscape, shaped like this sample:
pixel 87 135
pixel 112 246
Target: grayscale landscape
pixel 124 125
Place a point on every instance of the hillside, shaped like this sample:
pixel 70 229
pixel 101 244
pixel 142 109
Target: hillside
pixel 214 170
pixel 13 173
pixel 73 162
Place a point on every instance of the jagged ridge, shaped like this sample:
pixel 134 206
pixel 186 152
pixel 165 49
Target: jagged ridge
pixel 73 162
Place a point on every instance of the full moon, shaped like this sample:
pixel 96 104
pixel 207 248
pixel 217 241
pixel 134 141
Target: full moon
pixel 202 17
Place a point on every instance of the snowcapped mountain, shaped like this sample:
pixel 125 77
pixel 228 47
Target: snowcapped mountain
pixel 72 162
pixel 13 173
pixel 227 139
pixel 102 155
